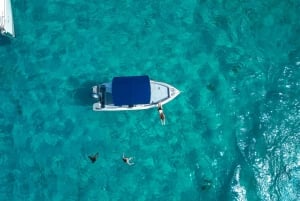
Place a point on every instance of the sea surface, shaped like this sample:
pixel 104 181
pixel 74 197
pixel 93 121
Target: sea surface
pixel 232 134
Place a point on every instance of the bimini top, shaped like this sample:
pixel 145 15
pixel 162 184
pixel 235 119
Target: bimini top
pixel 131 90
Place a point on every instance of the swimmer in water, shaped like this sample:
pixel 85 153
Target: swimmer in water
pixel 94 157
pixel 206 185
pixel 127 160
pixel 161 114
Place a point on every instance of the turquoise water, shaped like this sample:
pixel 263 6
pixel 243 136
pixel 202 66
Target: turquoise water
pixel 232 134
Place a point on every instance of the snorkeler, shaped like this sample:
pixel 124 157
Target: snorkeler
pixel 127 160
pixel 206 185
pixel 161 114
pixel 94 157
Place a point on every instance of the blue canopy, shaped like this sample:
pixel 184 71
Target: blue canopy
pixel 131 90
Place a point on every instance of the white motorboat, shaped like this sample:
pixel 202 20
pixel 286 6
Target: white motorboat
pixel 6 19
pixel 132 93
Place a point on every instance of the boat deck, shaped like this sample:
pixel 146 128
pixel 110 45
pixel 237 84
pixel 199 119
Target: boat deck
pixel 159 92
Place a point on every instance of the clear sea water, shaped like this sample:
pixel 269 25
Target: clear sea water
pixel 232 134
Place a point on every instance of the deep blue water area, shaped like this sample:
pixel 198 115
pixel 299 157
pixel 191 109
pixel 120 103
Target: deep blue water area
pixel 232 134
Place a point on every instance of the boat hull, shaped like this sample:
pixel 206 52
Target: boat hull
pixel 6 19
pixel 160 93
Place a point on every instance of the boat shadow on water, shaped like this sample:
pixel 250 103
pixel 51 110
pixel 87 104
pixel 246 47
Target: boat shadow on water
pixel 4 40
pixel 82 95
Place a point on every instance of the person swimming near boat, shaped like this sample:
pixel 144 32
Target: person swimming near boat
pixel 206 185
pixel 127 160
pixel 94 157
pixel 161 114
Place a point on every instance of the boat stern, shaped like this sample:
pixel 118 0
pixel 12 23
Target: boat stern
pixel 98 93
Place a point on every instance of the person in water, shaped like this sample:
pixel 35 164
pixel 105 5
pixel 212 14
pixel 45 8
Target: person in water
pixel 94 157
pixel 127 160
pixel 206 185
pixel 161 114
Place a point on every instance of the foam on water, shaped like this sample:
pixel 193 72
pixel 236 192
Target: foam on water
pixel 238 191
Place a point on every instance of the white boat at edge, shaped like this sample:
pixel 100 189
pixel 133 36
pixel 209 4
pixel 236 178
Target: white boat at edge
pixel 6 18
pixel 132 93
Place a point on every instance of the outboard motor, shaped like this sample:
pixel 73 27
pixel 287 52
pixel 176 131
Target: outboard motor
pixel 95 95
